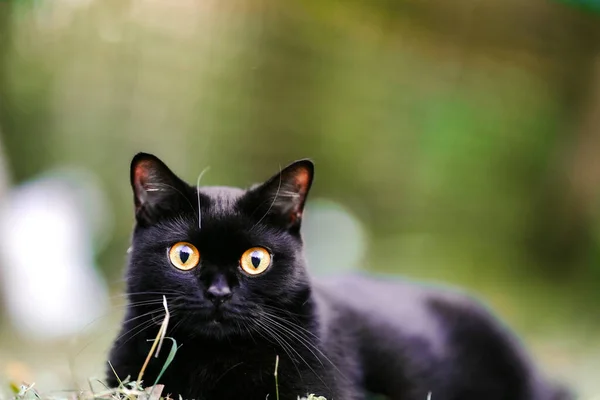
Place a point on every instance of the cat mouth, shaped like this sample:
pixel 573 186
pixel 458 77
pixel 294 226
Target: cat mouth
pixel 216 316
pixel 218 325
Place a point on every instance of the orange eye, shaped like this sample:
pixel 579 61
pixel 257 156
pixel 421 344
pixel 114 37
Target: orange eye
pixel 184 256
pixel 255 261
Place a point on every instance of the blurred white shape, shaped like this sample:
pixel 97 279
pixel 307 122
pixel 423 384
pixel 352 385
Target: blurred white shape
pixel 335 240
pixel 47 230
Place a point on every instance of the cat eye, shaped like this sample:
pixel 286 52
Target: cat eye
pixel 255 261
pixel 184 256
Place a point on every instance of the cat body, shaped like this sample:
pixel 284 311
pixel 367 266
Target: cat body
pixel 230 265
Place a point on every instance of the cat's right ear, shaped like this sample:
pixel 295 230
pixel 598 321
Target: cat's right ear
pixel 156 190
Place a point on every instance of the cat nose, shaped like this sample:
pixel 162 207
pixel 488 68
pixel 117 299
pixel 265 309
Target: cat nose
pixel 219 291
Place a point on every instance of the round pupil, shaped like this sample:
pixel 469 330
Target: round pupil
pixel 256 258
pixel 184 254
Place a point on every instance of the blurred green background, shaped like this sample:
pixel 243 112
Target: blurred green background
pixel 464 136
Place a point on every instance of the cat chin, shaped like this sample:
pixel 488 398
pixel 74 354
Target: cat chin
pixel 217 330
pixel 215 325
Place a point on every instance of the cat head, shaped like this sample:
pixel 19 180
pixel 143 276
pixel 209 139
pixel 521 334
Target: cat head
pixel 225 258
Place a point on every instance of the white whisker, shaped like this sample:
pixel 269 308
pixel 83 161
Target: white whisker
pixel 292 195
pixel 198 194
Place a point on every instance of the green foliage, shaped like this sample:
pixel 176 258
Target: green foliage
pixel 588 5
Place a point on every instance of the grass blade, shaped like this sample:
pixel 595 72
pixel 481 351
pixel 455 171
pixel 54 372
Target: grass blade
pixel 169 359
pixel 275 374
pixel 157 342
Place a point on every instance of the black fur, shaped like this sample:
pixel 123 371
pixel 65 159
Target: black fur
pixel 336 338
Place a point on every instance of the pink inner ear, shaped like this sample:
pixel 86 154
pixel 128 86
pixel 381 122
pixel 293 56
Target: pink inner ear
pixel 141 173
pixel 301 179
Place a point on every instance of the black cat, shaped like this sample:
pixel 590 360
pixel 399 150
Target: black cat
pixel 230 264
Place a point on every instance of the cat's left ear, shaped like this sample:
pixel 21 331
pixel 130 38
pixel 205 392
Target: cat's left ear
pixel 157 191
pixel 282 197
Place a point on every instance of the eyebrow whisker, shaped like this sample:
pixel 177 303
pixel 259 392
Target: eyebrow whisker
pixel 198 194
